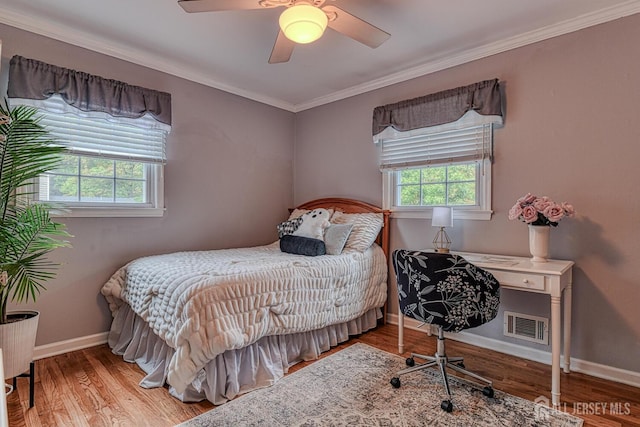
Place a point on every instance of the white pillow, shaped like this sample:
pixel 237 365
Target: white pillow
pixel 366 227
pixel 335 237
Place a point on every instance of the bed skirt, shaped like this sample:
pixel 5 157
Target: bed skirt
pixel 233 372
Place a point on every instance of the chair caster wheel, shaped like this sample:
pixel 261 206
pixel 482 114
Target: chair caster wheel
pixel 446 406
pixel 395 382
pixel 410 361
pixel 488 391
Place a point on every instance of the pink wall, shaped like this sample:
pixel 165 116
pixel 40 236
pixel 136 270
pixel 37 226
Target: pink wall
pixel 572 132
pixel 227 183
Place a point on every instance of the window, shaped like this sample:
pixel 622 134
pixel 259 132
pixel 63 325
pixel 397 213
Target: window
pixel 449 185
pixel 114 166
pixel 95 181
pixel 435 150
pixel 115 136
pixel 445 167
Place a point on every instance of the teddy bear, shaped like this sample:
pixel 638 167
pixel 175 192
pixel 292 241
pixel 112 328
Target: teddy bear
pixel 313 224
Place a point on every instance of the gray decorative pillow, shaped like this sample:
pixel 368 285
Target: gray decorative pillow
pixel 302 245
pixel 335 236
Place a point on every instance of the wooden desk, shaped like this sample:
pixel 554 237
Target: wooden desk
pixel 553 278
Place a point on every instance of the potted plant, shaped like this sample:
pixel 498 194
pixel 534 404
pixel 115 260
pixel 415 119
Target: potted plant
pixel 27 231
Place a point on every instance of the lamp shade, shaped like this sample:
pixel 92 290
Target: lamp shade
pixel 442 217
pixel 303 23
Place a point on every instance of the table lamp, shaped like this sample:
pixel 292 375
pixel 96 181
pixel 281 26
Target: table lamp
pixel 442 217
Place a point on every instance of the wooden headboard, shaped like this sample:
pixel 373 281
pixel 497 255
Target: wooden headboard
pixel 354 206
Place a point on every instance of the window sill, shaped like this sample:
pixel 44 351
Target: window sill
pixel 110 212
pixel 457 214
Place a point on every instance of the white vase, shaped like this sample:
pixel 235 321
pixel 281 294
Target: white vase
pixel 539 242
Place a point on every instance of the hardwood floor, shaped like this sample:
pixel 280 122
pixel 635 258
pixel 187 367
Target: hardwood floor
pixel 93 387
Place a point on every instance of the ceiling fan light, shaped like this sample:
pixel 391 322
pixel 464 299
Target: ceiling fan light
pixel 303 23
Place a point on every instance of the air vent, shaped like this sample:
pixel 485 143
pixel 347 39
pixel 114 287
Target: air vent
pixel 525 327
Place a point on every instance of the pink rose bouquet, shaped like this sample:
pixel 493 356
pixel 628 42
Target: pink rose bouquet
pixel 536 210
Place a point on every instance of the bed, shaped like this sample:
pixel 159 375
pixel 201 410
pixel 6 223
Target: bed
pixel 216 324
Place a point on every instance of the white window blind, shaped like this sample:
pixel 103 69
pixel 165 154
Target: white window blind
pixel 101 135
pixel 452 146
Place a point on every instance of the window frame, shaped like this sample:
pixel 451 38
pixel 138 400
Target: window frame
pixel 153 207
pixel 482 211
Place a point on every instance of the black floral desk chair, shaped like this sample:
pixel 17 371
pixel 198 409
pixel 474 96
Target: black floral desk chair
pixel 445 290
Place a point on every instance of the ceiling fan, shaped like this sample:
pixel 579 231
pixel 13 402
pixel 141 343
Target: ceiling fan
pixel 303 21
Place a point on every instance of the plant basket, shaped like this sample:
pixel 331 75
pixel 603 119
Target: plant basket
pixel 18 340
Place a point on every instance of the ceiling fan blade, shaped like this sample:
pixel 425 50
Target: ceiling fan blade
pixel 282 49
pixel 356 28
pixel 218 5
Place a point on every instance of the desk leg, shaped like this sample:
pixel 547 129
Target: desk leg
pixel 400 333
pixel 567 329
pixel 555 349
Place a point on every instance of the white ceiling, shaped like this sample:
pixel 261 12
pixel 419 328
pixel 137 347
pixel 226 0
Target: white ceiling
pixel 229 50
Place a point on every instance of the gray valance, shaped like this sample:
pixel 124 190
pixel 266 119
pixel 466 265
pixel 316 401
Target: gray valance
pixel 439 108
pixel 32 79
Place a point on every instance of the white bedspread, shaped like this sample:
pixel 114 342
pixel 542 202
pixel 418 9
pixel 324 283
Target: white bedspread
pixel 204 303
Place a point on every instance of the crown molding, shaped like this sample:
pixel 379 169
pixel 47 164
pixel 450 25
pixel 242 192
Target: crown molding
pixel 458 58
pixel 136 56
pixel 156 62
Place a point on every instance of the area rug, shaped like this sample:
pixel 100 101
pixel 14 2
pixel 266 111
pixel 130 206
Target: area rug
pixel 351 388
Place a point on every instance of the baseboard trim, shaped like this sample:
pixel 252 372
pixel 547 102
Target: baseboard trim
pixel 585 367
pixel 61 347
pixel 590 368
